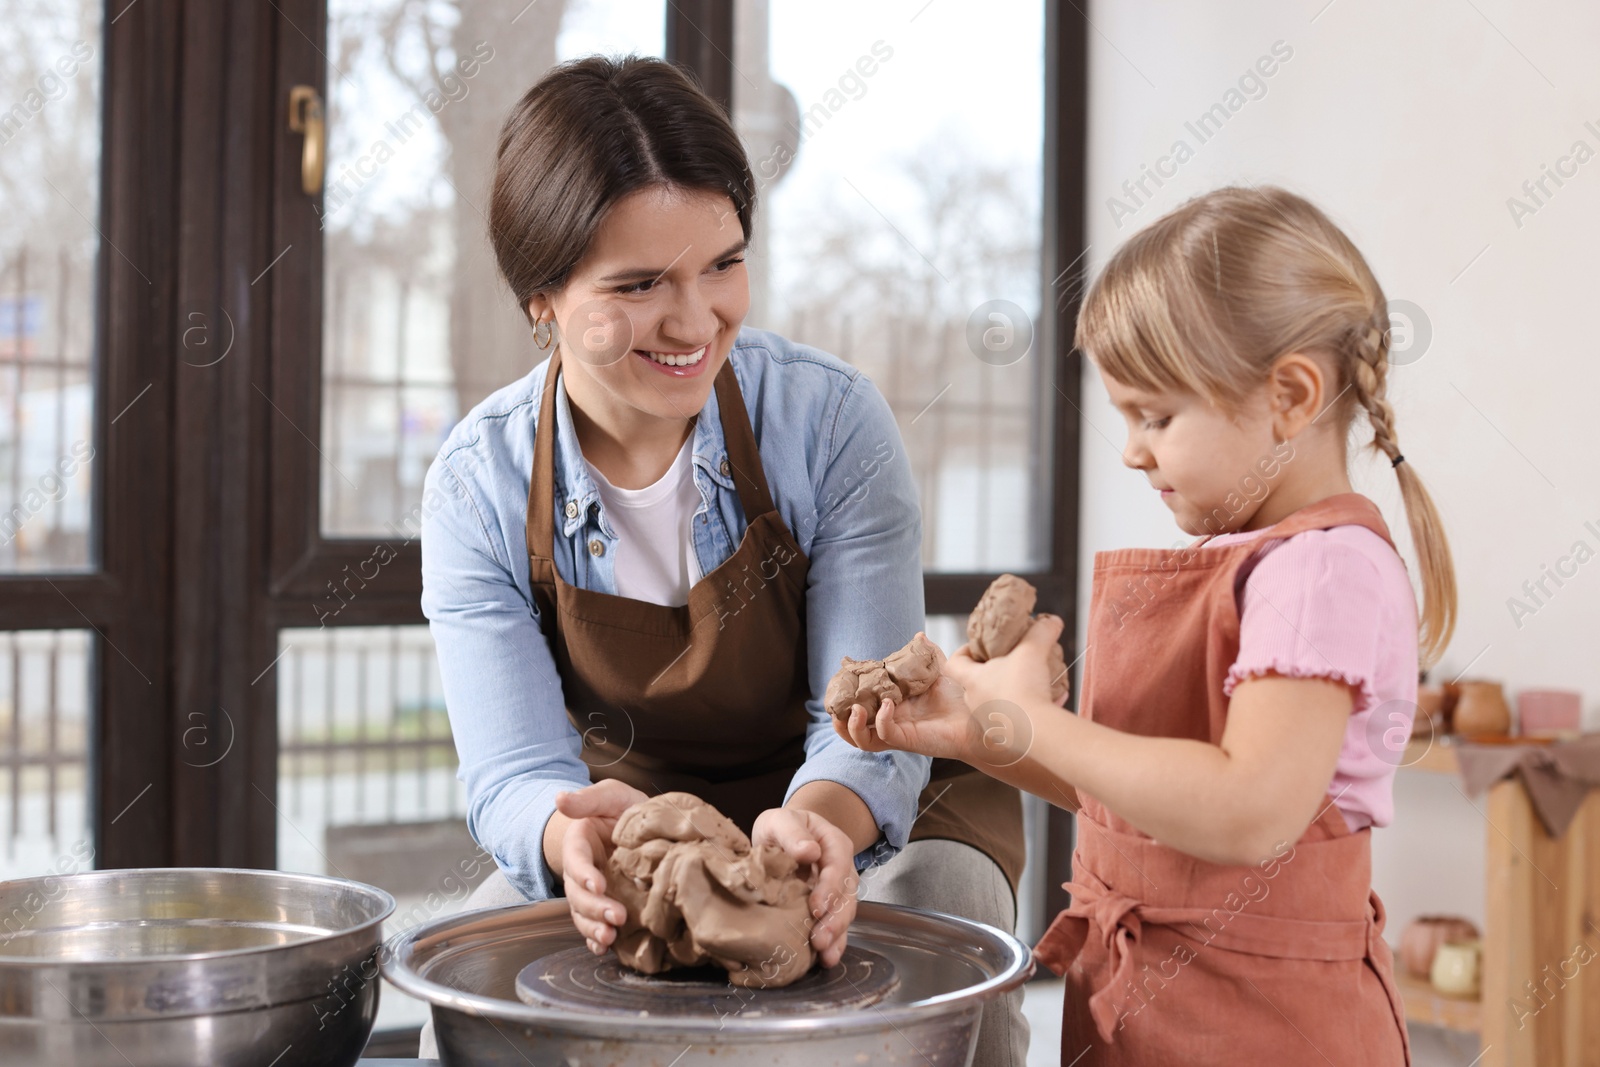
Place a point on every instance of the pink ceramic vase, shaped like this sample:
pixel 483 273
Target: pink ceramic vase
pixel 1549 712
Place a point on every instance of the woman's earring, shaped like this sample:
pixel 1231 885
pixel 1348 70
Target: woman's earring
pixel 543 333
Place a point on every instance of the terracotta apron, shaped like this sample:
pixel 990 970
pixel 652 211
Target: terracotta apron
pixel 1169 959
pixel 708 697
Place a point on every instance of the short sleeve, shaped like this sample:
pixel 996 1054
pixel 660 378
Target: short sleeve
pixel 1311 608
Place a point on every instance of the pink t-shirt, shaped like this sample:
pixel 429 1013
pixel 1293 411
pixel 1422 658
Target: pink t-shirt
pixel 1338 604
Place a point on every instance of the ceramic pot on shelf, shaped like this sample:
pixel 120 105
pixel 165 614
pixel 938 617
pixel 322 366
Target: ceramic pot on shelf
pixel 1481 710
pixel 1430 719
pixel 1422 937
pixel 1549 713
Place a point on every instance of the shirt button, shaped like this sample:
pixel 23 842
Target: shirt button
pixel 597 547
pixel 724 468
pixel 572 509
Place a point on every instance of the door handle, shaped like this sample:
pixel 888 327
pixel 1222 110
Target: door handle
pixel 305 117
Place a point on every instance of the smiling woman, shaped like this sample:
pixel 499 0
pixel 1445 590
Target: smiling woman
pixel 664 527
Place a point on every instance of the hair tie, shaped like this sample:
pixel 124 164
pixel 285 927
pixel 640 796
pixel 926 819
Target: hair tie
pixel 1397 461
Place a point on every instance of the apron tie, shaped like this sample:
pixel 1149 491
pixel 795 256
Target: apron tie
pixel 1117 918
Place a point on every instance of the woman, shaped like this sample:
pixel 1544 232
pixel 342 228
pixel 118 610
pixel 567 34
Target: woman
pixel 643 561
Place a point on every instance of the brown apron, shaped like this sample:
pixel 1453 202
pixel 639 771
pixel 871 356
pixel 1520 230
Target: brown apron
pixel 961 804
pixel 1171 959
pixel 709 697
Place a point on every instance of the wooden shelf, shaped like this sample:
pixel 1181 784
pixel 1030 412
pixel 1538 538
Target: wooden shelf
pixel 1539 895
pixel 1434 758
pixel 1425 1004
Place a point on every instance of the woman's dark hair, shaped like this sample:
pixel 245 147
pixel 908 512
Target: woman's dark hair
pixel 588 134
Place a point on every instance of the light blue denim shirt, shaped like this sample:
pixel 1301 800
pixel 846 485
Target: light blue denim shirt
pixel 839 476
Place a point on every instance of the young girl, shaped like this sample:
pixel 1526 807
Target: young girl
pixel 1229 749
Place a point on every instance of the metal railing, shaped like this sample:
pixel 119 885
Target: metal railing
pixel 44 727
pixel 363 738
pixel 46 399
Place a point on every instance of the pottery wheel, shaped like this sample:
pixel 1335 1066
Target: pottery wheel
pixel 578 980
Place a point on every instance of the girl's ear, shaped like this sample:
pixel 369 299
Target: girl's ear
pixel 1297 387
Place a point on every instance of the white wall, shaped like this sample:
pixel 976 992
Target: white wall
pixel 1411 124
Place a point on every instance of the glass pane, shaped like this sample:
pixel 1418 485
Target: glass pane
pixel 899 228
pixel 418 326
pixel 49 171
pixel 366 776
pixel 44 735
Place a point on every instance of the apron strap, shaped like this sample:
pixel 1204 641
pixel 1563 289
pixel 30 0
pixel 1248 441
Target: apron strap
pixel 744 458
pixel 541 491
pixel 1341 509
pixel 541 503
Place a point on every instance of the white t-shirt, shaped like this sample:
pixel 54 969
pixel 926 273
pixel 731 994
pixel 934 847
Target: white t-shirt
pixel 655 559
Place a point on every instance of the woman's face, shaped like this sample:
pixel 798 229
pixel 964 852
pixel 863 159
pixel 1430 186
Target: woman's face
pixel 648 316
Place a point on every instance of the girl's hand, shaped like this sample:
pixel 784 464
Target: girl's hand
pixel 584 849
pixel 1021 677
pixel 937 723
pixel 811 839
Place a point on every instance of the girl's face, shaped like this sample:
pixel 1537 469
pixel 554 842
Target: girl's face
pixel 648 316
pixel 1212 470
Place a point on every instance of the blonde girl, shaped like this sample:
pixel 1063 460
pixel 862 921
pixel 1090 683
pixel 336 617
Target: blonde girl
pixel 1233 746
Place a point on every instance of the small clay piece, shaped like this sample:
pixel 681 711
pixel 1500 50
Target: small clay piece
pixel 696 893
pixel 907 673
pixel 859 681
pixel 1002 616
pixel 914 668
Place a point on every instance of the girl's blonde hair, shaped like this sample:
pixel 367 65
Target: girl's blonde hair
pixel 1208 297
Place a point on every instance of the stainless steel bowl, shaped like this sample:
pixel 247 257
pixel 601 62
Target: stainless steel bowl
pixel 173 967
pixel 466 966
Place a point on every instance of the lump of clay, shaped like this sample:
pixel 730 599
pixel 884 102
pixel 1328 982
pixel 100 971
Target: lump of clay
pixel 696 893
pixel 907 673
pixel 1002 616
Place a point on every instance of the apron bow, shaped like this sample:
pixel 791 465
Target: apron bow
pixel 1117 918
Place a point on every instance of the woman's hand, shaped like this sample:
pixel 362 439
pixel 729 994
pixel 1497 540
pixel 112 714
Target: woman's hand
pixel 594 811
pixel 810 838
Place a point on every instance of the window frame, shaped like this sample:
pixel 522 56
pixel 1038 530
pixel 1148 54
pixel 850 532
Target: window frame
pixel 206 492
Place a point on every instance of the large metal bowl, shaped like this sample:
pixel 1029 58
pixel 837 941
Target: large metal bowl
pixel 187 967
pixel 466 966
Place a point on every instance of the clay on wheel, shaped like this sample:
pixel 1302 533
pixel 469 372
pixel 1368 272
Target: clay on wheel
pixel 1002 616
pixel 697 893
pixel 907 673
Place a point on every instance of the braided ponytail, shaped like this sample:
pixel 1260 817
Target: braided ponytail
pixel 1369 378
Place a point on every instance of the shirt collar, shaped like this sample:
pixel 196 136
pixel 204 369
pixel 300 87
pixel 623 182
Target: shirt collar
pixel 576 491
pixel 710 445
